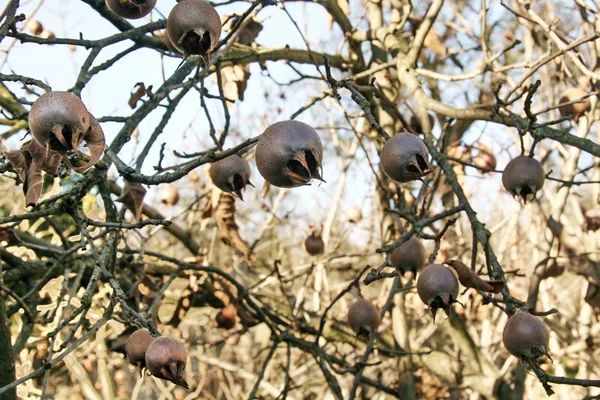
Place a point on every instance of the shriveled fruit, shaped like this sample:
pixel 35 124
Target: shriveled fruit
pixel 525 336
pixel 231 174
pixel 136 347
pixel 166 359
pixel 314 244
pixel 59 120
pixel 169 196
pixel 523 177
pixel 289 154
pixel 575 109
pixel 405 158
pixel 437 287
pixel 194 27
pixel 131 9
pixel 226 318
pixel 409 256
pixel 363 317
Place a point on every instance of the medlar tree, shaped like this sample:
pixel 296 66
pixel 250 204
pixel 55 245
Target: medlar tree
pixel 388 125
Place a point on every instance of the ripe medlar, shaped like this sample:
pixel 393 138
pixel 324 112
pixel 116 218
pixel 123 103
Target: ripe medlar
pixel 523 177
pixel 166 359
pixel 231 174
pixel 194 27
pixel 131 9
pixel 405 158
pixel 437 287
pixel 169 196
pixel 409 256
pixel 363 317
pixel 289 154
pixel 525 336
pixel 575 109
pixel 136 347
pixel 314 244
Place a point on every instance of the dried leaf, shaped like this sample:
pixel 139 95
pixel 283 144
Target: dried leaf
pixel 224 209
pixel 33 185
pixel 137 95
pixel 235 80
pixel 19 162
pixel 247 35
pixel 47 159
pixel 132 197
pixel 468 278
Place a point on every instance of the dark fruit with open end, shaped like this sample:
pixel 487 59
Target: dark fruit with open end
pixel 409 256
pixel 166 359
pixel 523 177
pixel 194 27
pixel 136 347
pixel 525 336
pixel 169 196
pixel 363 317
pixel 289 154
pixel 58 120
pixel 231 174
pixel 405 158
pixel 437 287
pixel 131 9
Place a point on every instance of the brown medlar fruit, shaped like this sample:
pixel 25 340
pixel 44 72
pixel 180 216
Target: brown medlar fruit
pixel 409 256
pixel 35 27
pixel 525 336
pixel 289 154
pixel 437 287
pixel 575 109
pixel 592 219
pixel 131 9
pixel 405 158
pixel 484 159
pixel 59 120
pixel 523 177
pixel 194 27
pixel 136 347
pixel 231 174
pixel 314 244
pixel 166 359
pixel 227 317
pixel 363 317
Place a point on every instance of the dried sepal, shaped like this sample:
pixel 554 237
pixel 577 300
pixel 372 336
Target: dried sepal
pixel 132 197
pixel 469 279
pixel 94 140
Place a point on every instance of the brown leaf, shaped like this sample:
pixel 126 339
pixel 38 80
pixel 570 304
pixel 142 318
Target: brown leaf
pixel 247 35
pixel 224 209
pixel 33 185
pixel 468 278
pixel 137 95
pixel 47 159
pixel 132 197
pixel 235 80
pixel 19 162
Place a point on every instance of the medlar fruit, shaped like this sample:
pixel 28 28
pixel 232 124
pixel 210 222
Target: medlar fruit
pixel 405 158
pixel 523 177
pixel 166 359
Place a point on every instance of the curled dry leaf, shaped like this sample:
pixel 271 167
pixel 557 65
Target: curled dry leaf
pixel 137 94
pixel 29 162
pixel 132 197
pixel 469 279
